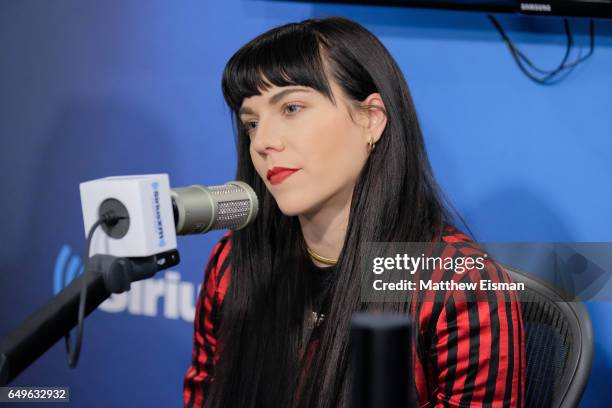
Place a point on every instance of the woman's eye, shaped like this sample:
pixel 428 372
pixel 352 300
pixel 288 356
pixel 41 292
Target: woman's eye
pixel 293 108
pixel 250 125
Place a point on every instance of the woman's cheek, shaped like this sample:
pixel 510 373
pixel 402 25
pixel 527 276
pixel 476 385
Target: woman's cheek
pixel 258 164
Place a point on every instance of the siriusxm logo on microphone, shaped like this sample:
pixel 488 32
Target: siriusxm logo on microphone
pixel 145 298
pixel 158 221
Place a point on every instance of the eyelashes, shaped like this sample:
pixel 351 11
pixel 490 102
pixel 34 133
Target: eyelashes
pixel 289 109
pixel 292 105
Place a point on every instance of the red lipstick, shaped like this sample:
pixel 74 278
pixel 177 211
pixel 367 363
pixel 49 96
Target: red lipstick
pixel 277 174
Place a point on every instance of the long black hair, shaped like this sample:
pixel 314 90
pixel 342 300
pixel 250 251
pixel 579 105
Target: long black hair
pixel 396 199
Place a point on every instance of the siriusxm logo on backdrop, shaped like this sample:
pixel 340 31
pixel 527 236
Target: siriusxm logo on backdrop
pixel 158 221
pixel 67 267
pixel 145 298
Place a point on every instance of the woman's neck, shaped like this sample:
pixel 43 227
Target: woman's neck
pixel 325 229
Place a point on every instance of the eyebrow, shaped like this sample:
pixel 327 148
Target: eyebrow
pixel 274 99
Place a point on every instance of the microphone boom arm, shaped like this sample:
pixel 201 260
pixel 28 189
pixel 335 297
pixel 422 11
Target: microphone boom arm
pixel 103 275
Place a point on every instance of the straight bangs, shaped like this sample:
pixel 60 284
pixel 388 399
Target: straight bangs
pixel 287 56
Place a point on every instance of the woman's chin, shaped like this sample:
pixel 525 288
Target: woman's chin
pixel 291 211
pixel 293 207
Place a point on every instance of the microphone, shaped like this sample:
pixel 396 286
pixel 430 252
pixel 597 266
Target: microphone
pixel 381 353
pixel 144 215
pixel 199 209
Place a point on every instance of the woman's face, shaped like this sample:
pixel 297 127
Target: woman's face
pixel 307 150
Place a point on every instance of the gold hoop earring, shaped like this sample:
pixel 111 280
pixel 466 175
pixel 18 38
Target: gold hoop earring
pixel 371 144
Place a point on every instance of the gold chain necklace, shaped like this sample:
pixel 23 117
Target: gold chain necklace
pixel 321 259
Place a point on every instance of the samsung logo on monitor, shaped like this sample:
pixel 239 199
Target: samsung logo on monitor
pixel 536 7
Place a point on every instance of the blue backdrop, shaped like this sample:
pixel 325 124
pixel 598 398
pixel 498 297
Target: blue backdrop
pixel 99 88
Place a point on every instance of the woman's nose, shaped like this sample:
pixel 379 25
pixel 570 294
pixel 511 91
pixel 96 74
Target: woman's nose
pixel 267 138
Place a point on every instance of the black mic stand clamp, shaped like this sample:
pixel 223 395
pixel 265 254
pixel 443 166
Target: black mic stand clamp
pixel 119 273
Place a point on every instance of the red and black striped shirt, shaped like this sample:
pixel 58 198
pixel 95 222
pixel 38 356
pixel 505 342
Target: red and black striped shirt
pixel 468 353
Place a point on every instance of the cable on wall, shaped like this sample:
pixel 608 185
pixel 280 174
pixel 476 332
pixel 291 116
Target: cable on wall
pixel 548 77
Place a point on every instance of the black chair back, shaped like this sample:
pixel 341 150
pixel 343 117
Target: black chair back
pixel 558 344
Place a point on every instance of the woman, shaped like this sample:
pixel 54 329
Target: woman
pixel 328 137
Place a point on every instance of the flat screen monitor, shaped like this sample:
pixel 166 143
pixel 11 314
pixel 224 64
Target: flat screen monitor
pixel 583 8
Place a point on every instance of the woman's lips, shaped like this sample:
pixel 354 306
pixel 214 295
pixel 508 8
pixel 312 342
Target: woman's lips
pixel 277 174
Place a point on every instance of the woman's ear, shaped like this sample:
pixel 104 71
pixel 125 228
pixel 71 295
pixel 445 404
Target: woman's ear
pixel 376 116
